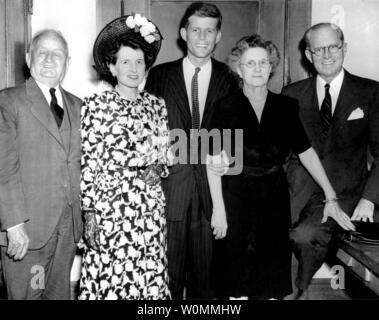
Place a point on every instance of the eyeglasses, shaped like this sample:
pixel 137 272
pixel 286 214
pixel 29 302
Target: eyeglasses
pixel 333 48
pixel 252 64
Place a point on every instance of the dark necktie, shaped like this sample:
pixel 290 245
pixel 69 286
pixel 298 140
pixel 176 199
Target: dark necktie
pixel 326 111
pixel 195 100
pixel 55 108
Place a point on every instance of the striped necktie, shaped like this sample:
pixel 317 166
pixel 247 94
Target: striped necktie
pixel 195 100
pixel 326 111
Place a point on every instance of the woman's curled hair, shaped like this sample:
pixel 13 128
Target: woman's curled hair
pixel 253 41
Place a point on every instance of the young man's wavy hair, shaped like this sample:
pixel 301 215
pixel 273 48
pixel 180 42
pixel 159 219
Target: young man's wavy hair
pixel 201 9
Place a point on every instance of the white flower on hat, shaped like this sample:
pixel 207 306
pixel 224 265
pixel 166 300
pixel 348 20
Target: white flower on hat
pixel 138 19
pixel 130 22
pixel 144 32
pixel 147 29
pixel 150 38
pixel 144 21
pixel 151 27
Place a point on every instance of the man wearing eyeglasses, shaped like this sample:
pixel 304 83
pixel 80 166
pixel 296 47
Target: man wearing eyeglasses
pixel 340 113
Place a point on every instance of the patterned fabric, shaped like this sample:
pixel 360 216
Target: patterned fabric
pixel 195 100
pixel 326 111
pixel 119 139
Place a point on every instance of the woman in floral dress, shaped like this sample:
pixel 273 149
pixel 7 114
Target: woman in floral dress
pixel 125 142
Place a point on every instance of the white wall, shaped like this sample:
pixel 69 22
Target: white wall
pixel 76 19
pixel 359 19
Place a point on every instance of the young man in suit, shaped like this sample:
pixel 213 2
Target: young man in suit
pixel 340 113
pixel 190 87
pixel 40 216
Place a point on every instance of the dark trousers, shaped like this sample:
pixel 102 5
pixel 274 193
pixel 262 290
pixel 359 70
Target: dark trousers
pixel 43 274
pixel 311 240
pixel 190 253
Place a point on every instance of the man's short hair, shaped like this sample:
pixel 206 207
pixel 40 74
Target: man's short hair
pixel 47 33
pixel 319 26
pixel 201 9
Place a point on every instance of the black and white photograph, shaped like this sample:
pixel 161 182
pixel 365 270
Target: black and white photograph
pixel 205 155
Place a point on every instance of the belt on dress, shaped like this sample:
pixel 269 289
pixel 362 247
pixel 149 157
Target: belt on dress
pixel 126 171
pixel 134 169
pixel 259 171
pixel 150 173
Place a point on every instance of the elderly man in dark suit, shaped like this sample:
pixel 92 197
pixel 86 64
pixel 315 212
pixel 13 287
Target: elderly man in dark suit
pixel 40 217
pixel 190 87
pixel 340 113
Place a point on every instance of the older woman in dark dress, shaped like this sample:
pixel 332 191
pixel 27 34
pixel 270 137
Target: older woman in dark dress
pixel 251 210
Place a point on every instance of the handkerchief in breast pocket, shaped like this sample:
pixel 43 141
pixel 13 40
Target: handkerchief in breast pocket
pixel 356 114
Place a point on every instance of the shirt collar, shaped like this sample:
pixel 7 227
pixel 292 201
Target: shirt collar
pixel 46 92
pixel 335 84
pixel 189 66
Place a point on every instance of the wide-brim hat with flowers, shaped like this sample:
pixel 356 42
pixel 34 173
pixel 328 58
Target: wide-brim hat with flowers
pixel 136 29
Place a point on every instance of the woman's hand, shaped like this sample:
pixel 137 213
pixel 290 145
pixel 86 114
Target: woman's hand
pixel 91 230
pixel 333 210
pixel 219 164
pixel 152 174
pixel 219 223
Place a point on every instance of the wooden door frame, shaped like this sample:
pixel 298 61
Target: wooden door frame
pixel 295 26
pixel 295 18
pixel 14 40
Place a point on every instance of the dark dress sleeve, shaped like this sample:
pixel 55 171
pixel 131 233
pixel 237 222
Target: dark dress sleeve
pixel 299 141
pixel 218 123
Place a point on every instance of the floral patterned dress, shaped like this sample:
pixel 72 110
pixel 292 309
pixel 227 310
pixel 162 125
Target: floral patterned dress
pixel 119 139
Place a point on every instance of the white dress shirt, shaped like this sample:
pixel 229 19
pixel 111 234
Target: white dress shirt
pixel 204 77
pixel 46 92
pixel 335 88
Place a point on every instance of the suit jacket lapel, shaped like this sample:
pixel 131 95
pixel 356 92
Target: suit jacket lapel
pixel 345 102
pixel 66 129
pixel 345 105
pixel 41 110
pixel 179 91
pixel 215 84
pixel 310 115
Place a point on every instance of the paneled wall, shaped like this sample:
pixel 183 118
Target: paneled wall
pixel 284 23
pixel 13 41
